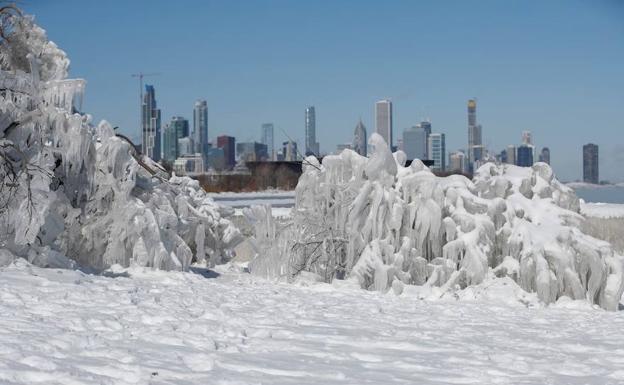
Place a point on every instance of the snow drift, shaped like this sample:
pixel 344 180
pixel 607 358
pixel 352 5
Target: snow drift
pixel 72 190
pixel 384 225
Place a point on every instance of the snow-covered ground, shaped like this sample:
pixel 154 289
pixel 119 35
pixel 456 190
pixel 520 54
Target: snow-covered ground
pixel 602 210
pixel 65 327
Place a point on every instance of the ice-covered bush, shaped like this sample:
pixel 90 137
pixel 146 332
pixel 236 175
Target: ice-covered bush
pixel 71 192
pixel 378 223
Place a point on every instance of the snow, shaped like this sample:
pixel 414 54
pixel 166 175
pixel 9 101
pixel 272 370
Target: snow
pixel 138 326
pixel 381 225
pixel 602 210
pixel 72 192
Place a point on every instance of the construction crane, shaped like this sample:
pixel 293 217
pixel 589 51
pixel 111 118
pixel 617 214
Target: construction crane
pixel 141 75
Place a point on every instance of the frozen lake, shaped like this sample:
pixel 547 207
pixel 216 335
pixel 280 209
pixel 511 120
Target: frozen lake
pixel 604 194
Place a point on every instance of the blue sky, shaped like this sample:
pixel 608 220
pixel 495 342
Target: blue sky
pixel 553 67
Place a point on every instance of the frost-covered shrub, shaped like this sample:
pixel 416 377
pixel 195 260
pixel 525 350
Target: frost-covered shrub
pixel 74 192
pixel 376 222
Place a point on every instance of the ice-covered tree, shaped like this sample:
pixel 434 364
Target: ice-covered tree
pixel 74 192
pixel 382 224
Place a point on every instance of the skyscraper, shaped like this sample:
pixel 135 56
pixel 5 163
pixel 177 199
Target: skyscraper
pixel 289 151
pixel 150 125
pixel 383 120
pixel 415 142
pixel 359 139
pixel 457 161
pixel 475 149
pixel 311 145
pixel 511 154
pixel 437 151
pixel 524 155
pixel 590 164
pixel 228 144
pixel 267 138
pixel 177 129
pixel 200 127
pixel 545 155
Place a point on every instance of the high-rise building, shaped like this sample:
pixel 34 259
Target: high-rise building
pixel 228 144
pixel 527 137
pixel 457 161
pixel 590 164
pixel 545 155
pixel 200 127
pixel 511 154
pixel 185 147
pixel 170 143
pixel 415 141
pixel 475 140
pixel 215 159
pixel 437 151
pixel 311 145
pixel 177 129
pixel 383 120
pixel 359 139
pixel 251 151
pixel 267 138
pixel 150 123
pixel 524 155
pixel 289 151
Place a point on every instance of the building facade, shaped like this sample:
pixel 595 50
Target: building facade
pixel 311 145
pixel 511 154
pixel 150 122
pixel 475 139
pixel 251 151
pixel 415 142
pixel 383 120
pixel 266 137
pixel 590 164
pixel 457 162
pixel 545 155
pixel 437 151
pixel 228 144
pixel 359 139
pixel 200 127
pixel 524 155
pixel 289 151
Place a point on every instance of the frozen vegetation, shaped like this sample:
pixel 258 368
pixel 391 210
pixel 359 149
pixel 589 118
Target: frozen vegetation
pixel 382 225
pixel 72 192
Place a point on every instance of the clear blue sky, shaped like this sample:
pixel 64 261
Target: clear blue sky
pixel 553 67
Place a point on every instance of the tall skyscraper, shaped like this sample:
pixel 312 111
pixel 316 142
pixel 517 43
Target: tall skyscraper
pixel 415 142
pixel 527 137
pixel 545 155
pixel 228 144
pixel 177 129
pixel 383 120
pixel 475 141
pixel 590 164
pixel 524 155
pixel 416 139
pixel 267 138
pixel 170 143
pixel 511 154
pixel 359 139
pixel 150 125
pixel 200 127
pixel 437 151
pixel 311 145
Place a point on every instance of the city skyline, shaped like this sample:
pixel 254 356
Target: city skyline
pixel 428 73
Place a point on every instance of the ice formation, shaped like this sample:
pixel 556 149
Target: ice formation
pixel 72 192
pixel 384 225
